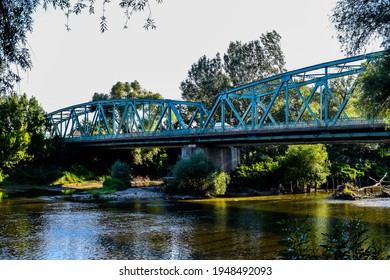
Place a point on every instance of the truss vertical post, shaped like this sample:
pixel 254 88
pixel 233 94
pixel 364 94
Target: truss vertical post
pixel 113 118
pixel 254 111
pixel 326 98
pixel 287 107
pixel 223 114
pixel 169 117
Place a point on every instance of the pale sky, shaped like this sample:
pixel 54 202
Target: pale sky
pixel 69 67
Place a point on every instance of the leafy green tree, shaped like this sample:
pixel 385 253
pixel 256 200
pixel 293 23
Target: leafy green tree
pixel 127 90
pixel 358 23
pixel 306 164
pixel 254 60
pixel 193 174
pixel 374 100
pixel 206 80
pixel 345 172
pixel 16 21
pixel 262 175
pixel 143 160
pixel 13 148
pixel 121 170
pixel 242 63
pixel 21 130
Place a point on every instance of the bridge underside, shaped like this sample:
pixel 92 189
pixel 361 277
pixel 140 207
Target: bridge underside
pixel 365 133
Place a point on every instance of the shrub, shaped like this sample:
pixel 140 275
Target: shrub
pixel 260 176
pixel 121 170
pixel 68 178
pixel 348 241
pixel 219 182
pixel 115 183
pixel 197 175
pixel 196 167
pixel 3 195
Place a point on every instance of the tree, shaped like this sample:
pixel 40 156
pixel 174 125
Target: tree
pixel 16 22
pixel 144 160
pixel 193 173
pixel 306 164
pixel 242 63
pixel 206 79
pixel 374 99
pixel 21 130
pixel 358 23
pixel 248 62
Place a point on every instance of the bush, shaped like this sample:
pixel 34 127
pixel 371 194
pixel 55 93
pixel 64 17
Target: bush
pixel 68 178
pixel 115 184
pixel 197 175
pixel 348 241
pixel 121 170
pixel 219 182
pixel 260 176
pixel 3 195
pixel 194 168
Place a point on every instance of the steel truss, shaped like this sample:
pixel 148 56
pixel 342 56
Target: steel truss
pixel 314 97
pixel 112 118
pixel 303 95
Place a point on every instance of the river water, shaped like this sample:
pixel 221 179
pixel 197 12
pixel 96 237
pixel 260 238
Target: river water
pixel 56 229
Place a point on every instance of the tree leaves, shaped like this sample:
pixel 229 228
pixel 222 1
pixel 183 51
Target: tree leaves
pixel 242 63
pixel 359 22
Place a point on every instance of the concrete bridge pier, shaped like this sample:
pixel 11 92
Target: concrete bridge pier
pixel 224 158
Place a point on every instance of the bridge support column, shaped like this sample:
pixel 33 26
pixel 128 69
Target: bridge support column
pixel 224 158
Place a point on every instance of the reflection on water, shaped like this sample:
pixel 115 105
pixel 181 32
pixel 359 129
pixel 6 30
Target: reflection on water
pixel 208 229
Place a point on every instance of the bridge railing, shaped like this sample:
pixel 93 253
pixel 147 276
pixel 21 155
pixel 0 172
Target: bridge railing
pixel 304 125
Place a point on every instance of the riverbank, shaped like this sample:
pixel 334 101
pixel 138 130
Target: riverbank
pixel 91 191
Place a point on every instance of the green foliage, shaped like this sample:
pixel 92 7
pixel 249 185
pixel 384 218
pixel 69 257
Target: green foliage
pixel 68 192
pixel 306 164
pixel 254 60
pixel 2 176
pixel 144 160
pixel 206 79
pixel 193 168
pixel 349 240
pixel 127 90
pixel 359 22
pixel 346 172
pixel 374 100
pixel 242 63
pixel 68 178
pixel 219 182
pixel 111 183
pixel 3 195
pixel 261 175
pixel 297 241
pixel 13 148
pixel 197 175
pixel 121 170
pixel 21 131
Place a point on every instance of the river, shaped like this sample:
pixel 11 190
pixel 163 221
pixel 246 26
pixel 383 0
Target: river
pixel 47 228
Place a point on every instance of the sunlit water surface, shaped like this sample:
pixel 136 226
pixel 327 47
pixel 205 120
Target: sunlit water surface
pixel 45 228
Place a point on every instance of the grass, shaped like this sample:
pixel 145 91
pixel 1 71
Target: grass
pixel 3 195
pixel 68 178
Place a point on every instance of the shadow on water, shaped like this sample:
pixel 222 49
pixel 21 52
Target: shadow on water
pixel 163 229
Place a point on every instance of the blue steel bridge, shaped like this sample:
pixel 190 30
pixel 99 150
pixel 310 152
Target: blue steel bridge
pixel 308 105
